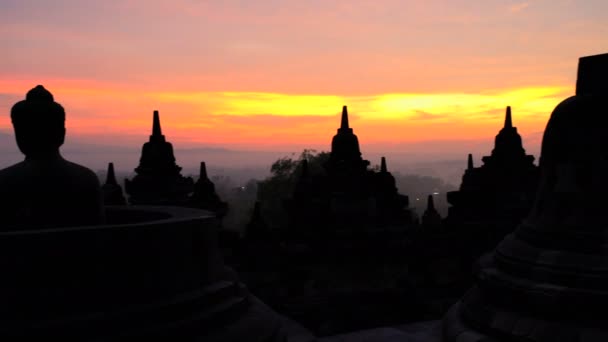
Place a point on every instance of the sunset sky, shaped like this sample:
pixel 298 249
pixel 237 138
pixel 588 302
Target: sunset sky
pixel 273 75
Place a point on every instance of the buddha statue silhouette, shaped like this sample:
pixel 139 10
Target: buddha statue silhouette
pixel 45 190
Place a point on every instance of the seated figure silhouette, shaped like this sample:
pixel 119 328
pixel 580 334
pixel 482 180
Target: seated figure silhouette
pixel 45 190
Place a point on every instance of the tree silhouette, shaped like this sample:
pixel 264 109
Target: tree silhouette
pixel 273 190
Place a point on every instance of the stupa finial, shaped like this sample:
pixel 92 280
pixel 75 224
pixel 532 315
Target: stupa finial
pixel 508 119
pixel 110 176
pixel 156 131
pixel 344 123
pixel 203 171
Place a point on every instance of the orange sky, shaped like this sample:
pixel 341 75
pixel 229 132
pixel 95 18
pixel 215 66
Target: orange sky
pixel 273 75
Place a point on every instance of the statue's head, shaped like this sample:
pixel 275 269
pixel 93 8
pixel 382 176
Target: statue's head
pixel 39 123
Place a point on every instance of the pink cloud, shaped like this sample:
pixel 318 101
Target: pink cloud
pixel 516 8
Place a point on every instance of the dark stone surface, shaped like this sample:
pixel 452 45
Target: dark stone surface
pixel 429 331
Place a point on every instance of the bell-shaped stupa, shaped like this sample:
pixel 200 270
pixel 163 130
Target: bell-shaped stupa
pixel 158 180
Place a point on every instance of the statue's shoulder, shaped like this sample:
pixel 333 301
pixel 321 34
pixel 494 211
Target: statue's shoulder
pixel 8 175
pixel 11 186
pixel 82 174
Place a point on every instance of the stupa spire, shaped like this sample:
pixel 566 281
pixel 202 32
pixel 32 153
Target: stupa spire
pixel 344 124
pixel 110 176
pixel 470 162
pixel 345 145
pixel 203 171
pixel 431 217
pixel 508 120
pixel 156 131
pixel 112 192
pixel 383 165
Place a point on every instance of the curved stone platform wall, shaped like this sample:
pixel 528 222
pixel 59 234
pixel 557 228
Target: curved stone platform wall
pixel 152 272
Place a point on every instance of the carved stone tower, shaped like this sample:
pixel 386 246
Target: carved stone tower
pixel 204 195
pixel 158 180
pixel 496 196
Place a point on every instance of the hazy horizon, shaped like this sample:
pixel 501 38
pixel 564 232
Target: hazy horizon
pixel 442 159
